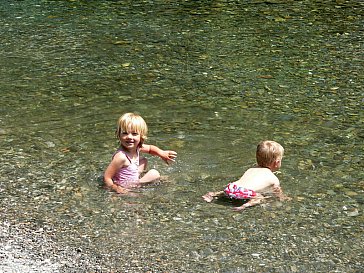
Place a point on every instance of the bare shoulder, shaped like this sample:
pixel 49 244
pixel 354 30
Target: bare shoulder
pixel 119 158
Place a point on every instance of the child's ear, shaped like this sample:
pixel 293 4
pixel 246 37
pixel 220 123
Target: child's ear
pixel 277 162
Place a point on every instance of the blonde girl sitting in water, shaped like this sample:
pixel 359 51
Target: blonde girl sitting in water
pixel 126 165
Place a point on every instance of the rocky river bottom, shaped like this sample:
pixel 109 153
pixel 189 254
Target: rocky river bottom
pixel 190 238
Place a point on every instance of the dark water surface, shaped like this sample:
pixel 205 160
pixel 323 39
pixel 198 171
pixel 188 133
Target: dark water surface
pixel 212 79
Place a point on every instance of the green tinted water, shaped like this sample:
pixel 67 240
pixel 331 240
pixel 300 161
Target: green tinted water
pixel 212 79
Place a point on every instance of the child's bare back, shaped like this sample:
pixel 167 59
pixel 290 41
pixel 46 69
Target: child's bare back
pixel 258 179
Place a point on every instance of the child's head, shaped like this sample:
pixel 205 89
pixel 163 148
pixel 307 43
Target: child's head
pixel 130 122
pixel 269 154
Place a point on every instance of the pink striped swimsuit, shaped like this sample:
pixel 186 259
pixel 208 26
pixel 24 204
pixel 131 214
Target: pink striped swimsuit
pixel 127 176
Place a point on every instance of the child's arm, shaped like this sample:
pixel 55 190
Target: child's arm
pixel 111 170
pixel 277 191
pixel 252 202
pixel 118 189
pixel 167 156
pixel 112 186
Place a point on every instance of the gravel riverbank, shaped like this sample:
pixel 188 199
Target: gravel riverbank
pixel 26 248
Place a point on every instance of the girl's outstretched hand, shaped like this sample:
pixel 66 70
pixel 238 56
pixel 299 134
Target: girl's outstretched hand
pixel 168 156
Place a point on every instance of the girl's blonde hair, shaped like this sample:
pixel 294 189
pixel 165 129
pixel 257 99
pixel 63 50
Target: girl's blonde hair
pixel 133 122
pixel 268 152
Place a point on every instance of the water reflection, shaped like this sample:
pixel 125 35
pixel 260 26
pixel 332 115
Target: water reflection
pixel 211 79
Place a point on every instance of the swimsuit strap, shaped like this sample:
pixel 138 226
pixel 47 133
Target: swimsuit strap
pixel 128 157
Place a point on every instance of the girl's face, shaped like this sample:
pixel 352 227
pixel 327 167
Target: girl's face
pixel 130 139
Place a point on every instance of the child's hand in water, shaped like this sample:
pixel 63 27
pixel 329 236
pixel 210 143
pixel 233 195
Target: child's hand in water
pixel 285 198
pixel 208 197
pixel 168 156
pixel 121 190
pixel 246 205
pixel 238 208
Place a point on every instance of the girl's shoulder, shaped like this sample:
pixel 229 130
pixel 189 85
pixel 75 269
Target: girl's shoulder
pixel 119 155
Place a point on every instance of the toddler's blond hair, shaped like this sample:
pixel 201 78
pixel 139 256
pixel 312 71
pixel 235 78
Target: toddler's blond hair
pixel 268 152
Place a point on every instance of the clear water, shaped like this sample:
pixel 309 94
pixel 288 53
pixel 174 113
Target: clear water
pixel 212 79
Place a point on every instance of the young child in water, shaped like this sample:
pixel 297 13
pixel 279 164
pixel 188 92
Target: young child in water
pixel 256 181
pixel 126 166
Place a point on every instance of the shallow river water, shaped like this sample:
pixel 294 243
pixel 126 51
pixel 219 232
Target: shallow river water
pixel 211 79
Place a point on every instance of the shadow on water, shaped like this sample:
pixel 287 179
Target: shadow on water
pixel 211 78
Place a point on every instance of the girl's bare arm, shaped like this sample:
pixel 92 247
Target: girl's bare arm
pixel 166 155
pixel 117 162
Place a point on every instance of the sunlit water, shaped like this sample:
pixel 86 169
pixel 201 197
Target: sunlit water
pixel 212 79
